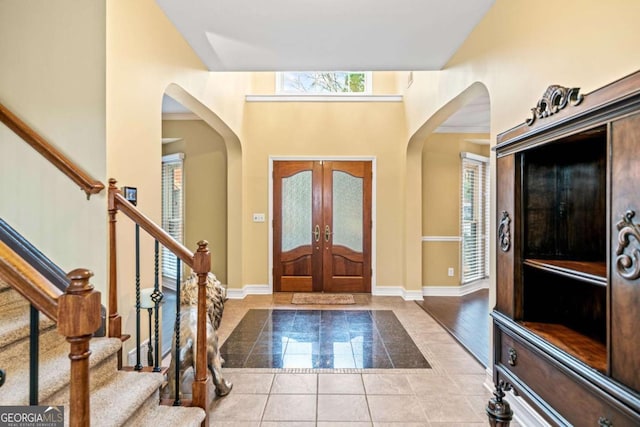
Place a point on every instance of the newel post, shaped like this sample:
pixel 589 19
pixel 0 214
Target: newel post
pixel 202 266
pixel 115 321
pixel 78 319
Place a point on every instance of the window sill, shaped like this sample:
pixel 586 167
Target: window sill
pixel 323 98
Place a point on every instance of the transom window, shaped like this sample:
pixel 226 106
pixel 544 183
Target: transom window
pixel 323 82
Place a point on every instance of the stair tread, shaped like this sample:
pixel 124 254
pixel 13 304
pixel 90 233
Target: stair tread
pixel 54 367
pixel 14 318
pixel 170 416
pixel 115 401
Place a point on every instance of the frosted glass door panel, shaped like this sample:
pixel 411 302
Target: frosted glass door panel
pixel 296 210
pixel 347 210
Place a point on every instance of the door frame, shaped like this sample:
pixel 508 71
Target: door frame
pixel 371 159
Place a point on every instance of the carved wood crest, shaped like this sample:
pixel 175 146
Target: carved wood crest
pixel 554 99
pixel 628 265
pixel 504 232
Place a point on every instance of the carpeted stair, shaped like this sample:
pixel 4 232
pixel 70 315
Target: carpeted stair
pixel 118 398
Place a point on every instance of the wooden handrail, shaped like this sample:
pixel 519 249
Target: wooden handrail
pixel 88 184
pixel 149 226
pixel 27 281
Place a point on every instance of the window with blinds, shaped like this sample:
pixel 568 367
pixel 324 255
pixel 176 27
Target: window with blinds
pixel 474 217
pixel 172 208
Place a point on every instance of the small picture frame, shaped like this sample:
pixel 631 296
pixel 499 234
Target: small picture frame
pixel 131 194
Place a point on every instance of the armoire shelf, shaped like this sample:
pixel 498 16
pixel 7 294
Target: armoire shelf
pixel 588 350
pixel 594 272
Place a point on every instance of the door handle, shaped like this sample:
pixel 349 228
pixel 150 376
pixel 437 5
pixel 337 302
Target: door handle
pixel 327 233
pixel 316 233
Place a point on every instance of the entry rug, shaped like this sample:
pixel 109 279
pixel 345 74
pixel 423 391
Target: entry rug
pixel 322 299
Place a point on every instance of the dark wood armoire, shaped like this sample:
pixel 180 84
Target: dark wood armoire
pixel 567 314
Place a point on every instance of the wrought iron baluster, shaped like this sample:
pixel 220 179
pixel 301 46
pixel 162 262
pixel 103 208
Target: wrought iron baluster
pixel 177 401
pixel 34 351
pixel 156 297
pixel 138 366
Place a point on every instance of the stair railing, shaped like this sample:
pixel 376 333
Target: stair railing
pixel 200 263
pixel 76 312
pixel 88 184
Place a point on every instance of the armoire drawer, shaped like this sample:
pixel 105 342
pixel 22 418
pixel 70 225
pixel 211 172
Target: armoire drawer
pixel 579 403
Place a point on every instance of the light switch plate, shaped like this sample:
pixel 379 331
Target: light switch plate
pixel 258 217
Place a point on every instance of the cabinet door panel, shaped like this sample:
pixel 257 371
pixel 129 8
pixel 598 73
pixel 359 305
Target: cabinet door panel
pixel 625 292
pixel 506 224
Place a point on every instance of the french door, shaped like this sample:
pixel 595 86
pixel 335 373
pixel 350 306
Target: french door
pixel 322 226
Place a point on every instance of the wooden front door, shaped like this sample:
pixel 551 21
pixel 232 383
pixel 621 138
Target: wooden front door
pixel 322 226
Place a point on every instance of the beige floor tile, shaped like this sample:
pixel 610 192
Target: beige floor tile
pixel 343 407
pixel 390 408
pixel 213 423
pixel 340 384
pixel 421 424
pixel 461 365
pixel 239 407
pixel 290 407
pixel 471 384
pixel 249 383
pixel 430 385
pixel 450 409
pixel 342 424
pixel 386 384
pixel 479 404
pixel 295 384
pixel 288 424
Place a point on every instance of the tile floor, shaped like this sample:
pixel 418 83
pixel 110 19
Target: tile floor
pixel 291 338
pixel 451 393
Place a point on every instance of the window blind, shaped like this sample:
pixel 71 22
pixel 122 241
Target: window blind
pixel 172 208
pixel 474 217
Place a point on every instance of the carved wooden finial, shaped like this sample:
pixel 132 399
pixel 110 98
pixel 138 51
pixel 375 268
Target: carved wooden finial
pixel 112 183
pixel 203 246
pixel 79 281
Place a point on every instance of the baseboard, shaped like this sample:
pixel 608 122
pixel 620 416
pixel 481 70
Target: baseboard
pixel 454 291
pixel 233 293
pixel 523 413
pixel 397 291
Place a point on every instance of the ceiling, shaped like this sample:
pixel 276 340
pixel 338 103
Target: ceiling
pixel 328 35
pixel 298 35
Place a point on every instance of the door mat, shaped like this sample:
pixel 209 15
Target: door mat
pixel 322 299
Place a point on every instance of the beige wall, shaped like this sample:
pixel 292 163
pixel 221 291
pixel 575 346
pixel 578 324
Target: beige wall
pixel 52 76
pixel 146 57
pixel 325 129
pixel 441 181
pixel 205 186
pixel 514 56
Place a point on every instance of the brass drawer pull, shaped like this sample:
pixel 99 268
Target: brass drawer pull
pixel 513 357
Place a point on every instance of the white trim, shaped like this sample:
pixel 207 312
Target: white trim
pixel 441 239
pixel 397 291
pixel 374 187
pixel 233 293
pixel 472 156
pixel 180 116
pixel 170 140
pixel 321 98
pixel 455 291
pixel 173 158
pixel 523 413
